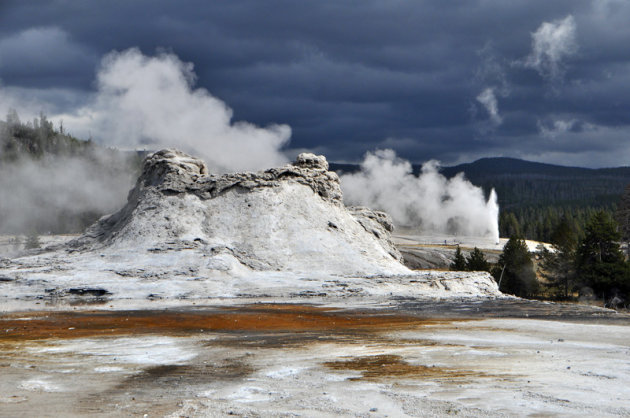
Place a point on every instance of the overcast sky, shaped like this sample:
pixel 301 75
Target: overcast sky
pixel 451 80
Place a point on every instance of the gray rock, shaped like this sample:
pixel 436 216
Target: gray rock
pixel 380 224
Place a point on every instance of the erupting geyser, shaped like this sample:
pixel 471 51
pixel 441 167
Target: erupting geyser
pixel 429 202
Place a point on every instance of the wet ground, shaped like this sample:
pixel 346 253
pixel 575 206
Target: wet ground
pixel 418 358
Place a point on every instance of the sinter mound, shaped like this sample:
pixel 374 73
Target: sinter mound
pixel 290 218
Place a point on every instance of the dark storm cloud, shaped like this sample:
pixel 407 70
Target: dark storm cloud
pixel 446 80
pixel 44 56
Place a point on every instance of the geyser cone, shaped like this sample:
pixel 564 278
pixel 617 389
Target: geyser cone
pixel 286 219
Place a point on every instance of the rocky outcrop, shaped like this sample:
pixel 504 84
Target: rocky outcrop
pixel 380 224
pixel 172 171
pixel 290 217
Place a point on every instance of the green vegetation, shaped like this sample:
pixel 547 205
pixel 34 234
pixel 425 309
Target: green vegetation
pixel 459 261
pixel 600 264
pixel 557 267
pixel 476 261
pixel 592 265
pixel 37 138
pixel 515 270
pixel 623 215
pixel 539 223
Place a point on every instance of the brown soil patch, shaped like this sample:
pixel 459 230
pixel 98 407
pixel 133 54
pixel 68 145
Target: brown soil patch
pixel 169 375
pixel 278 318
pixel 392 366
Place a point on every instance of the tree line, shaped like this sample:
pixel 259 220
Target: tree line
pixel 538 223
pixel 37 138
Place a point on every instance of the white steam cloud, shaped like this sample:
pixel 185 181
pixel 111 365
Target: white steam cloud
pixel 60 194
pixel 151 102
pixel 430 201
pixel 489 100
pixel 551 44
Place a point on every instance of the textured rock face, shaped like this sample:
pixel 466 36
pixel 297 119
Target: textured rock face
pixel 289 218
pixel 173 171
pixel 380 224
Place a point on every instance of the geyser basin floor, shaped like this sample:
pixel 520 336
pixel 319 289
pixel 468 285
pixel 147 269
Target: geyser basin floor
pixel 279 360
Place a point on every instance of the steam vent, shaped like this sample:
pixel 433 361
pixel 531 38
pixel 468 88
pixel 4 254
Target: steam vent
pixel 290 218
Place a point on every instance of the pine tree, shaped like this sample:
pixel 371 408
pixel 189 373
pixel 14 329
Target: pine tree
pixel 459 262
pixel 476 261
pixel 600 264
pixel 564 235
pixel 510 225
pixel 515 270
pixel 558 266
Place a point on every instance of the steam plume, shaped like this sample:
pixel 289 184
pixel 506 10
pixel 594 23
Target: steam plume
pixel 151 102
pixel 429 202
pixel 60 194
pixel 140 102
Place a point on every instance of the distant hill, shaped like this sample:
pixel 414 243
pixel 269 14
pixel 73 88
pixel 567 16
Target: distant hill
pixel 514 166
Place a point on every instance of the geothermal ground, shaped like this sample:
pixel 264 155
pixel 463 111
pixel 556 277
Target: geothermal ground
pixel 470 358
pixel 371 355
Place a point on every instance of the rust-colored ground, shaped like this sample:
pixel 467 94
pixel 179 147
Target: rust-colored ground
pixel 385 366
pixel 280 318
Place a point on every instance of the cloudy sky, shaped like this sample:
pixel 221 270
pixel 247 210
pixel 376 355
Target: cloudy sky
pixel 541 80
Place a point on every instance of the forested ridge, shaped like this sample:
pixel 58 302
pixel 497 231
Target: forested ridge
pixel 535 197
pixel 35 139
